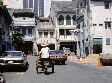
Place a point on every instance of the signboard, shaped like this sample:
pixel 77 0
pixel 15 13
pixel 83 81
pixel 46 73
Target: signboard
pixel 80 19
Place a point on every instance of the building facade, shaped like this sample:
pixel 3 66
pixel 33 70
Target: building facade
pixel 45 32
pixel 101 26
pixel 5 25
pixel 70 26
pixel 24 22
pixel 40 7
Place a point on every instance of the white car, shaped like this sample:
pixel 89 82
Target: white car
pixel 13 58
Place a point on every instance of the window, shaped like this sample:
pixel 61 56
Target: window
pixel 74 19
pixel 40 34
pixel 100 24
pixel 68 20
pixel 17 29
pixel 24 31
pixel 61 20
pixel 107 4
pixel 45 34
pixel 61 31
pixel 29 31
pixel 51 34
pixel 97 41
pixel 68 32
pixel 94 24
pixel 97 45
pixel 107 41
pixel 108 25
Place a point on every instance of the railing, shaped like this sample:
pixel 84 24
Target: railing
pixel 45 25
pixel 19 22
pixel 48 40
pixel 67 38
pixel 28 38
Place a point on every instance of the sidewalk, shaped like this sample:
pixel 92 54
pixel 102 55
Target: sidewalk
pixel 90 59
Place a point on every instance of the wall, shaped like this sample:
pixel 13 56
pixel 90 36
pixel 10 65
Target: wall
pixel 99 15
pixel 17 4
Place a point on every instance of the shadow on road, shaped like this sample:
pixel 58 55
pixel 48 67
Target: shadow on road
pixel 14 69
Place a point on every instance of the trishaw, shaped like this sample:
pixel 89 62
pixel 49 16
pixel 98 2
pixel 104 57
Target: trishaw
pixel 43 64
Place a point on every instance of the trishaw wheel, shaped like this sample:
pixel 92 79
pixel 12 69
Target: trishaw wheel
pixel 52 68
pixel 45 70
pixel 37 69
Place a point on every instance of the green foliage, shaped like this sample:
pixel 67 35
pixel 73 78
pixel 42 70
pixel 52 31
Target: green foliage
pixel 18 41
pixel 1 3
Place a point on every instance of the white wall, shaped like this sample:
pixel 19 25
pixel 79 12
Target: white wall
pixel 17 4
pixel 99 15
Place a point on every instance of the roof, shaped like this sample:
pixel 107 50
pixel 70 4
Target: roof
pixel 64 6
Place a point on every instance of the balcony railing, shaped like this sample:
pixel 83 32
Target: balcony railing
pixel 24 22
pixel 67 38
pixel 45 25
pixel 49 40
pixel 28 38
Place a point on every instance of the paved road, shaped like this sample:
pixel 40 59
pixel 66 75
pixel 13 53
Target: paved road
pixel 70 73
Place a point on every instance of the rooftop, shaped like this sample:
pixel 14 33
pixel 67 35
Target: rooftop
pixel 64 6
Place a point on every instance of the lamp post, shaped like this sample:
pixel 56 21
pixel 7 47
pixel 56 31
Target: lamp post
pixel 76 33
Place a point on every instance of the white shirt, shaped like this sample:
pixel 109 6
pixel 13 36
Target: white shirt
pixel 45 52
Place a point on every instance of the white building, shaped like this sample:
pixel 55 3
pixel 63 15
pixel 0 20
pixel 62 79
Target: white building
pixel 24 22
pixel 68 18
pixel 16 4
pixel 101 25
pixel 45 32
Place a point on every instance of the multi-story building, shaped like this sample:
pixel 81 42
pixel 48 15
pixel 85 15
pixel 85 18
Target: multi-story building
pixel 24 22
pixel 68 18
pixel 45 32
pixel 101 26
pixel 5 25
pixel 41 7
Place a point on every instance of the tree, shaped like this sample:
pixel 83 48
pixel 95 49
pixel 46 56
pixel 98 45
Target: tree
pixel 17 40
pixel 1 3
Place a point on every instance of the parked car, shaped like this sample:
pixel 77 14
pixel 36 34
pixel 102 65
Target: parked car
pixel 58 56
pixel 106 58
pixel 13 58
pixel 2 79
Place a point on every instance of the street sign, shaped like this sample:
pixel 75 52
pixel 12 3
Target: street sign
pixel 80 19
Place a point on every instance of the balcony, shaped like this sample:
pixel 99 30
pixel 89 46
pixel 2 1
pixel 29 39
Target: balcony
pixel 49 40
pixel 24 22
pixel 67 38
pixel 28 38
pixel 45 25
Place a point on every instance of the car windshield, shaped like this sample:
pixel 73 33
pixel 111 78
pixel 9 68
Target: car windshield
pixel 12 53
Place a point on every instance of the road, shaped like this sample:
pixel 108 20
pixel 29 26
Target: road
pixel 70 73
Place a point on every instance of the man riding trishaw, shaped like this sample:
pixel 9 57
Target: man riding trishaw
pixel 44 58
